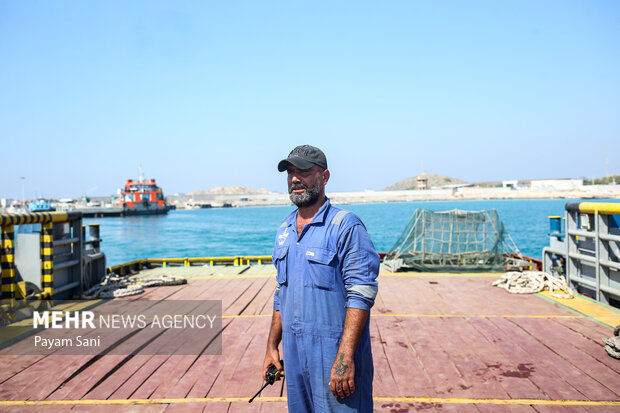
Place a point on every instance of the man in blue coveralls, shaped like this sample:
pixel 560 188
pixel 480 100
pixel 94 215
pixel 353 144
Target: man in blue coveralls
pixel 326 271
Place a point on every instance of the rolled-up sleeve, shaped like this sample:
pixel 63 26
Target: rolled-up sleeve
pixel 359 266
pixel 276 300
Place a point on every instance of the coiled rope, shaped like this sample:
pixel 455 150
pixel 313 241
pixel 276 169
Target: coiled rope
pixel 114 286
pixel 612 345
pixel 529 282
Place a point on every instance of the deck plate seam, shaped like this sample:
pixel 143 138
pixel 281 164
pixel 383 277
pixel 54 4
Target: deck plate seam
pixel 420 399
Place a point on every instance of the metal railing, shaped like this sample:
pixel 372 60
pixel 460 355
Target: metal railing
pixel 589 249
pixel 146 263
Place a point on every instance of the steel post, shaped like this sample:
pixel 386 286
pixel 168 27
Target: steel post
pixel 47 258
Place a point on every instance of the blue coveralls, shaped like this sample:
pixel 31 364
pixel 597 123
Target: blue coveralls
pixel 332 265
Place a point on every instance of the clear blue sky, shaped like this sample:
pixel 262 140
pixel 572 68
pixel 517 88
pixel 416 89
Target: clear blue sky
pixel 207 93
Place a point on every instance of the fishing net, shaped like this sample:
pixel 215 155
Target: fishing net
pixel 452 241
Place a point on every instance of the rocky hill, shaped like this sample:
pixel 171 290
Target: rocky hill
pixel 434 180
pixel 230 190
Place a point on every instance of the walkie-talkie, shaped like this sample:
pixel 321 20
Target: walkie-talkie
pixel 272 374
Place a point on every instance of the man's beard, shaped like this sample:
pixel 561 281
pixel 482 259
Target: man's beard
pixel 304 199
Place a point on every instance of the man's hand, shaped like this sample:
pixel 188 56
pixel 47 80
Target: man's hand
pixel 342 381
pixel 272 357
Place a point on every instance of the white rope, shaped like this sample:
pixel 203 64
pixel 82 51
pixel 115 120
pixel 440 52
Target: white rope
pixel 114 286
pixel 528 282
pixel 612 345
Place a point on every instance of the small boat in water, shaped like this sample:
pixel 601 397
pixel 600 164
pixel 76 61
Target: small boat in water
pixel 16 207
pixel 40 205
pixel 142 197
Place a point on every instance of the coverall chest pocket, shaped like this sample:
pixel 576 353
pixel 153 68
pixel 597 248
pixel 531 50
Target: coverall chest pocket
pixel 322 268
pixel 279 260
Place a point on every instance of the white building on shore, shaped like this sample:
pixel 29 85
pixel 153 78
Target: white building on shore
pixel 556 184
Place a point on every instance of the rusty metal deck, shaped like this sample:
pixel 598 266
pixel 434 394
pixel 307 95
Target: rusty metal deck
pixel 440 343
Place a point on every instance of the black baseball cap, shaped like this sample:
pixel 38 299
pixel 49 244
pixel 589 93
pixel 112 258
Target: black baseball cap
pixel 304 157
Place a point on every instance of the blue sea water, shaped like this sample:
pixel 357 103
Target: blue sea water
pixel 251 230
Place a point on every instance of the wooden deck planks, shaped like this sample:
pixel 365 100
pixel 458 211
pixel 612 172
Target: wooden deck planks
pixel 209 383
pixel 462 357
pixel 246 379
pixel 447 407
pixel 247 296
pixel 143 373
pixel 13 364
pixel 550 384
pixel 172 369
pixel 38 409
pixel 492 408
pixel 262 303
pixel 445 378
pixel 521 409
pixel 383 382
pixel 592 331
pixel 137 408
pixel 414 295
pixel 241 341
pixel 499 301
pixel 273 407
pixel 238 384
pixel 199 371
pixel 136 370
pixel 198 379
pixel 408 374
pixel 546 359
pixel 186 408
pixel 48 374
pixel 77 388
pixel 108 387
pixel 62 366
pixel 588 337
pixel 494 366
pixel 148 376
pixel 471 368
pixel 563 409
pixel 491 371
pixel 556 337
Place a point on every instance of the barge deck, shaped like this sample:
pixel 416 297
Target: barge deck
pixel 441 342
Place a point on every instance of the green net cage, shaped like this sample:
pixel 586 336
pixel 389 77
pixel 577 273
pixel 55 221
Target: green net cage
pixel 452 241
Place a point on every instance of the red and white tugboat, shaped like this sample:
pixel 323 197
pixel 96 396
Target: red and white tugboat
pixel 142 197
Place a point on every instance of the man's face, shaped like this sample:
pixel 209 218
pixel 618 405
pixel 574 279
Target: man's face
pixel 305 186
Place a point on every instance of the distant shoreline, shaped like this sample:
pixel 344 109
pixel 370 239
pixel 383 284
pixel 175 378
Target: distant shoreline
pixel 335 202
pixel 188 202
pixel 375 197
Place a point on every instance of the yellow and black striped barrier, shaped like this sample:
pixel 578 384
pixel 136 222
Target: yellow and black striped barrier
pixel 37 218
pixel 47 260
pixel 7 250
pixel 7 256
